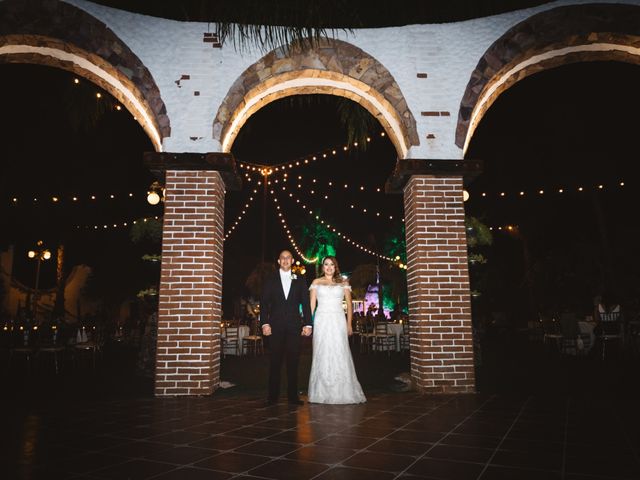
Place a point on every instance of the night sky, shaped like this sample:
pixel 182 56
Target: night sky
pixel 574 126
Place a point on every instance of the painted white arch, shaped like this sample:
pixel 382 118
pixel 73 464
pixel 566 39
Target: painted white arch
pixel 83 64
pixel 291 87
pixel 488 97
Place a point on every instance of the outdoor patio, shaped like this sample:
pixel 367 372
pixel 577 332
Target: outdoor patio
pixel 537 416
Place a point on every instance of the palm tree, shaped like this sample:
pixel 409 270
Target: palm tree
pixel 318 241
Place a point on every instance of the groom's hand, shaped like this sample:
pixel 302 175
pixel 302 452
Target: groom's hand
pixel 266 330
pixel 306 331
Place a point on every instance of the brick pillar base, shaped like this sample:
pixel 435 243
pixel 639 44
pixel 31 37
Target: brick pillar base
pixel 438 282
pixel 188 355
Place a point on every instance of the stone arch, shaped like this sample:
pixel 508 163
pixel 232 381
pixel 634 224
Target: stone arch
pixel 63 36
pixel 563 35
pixel 333 67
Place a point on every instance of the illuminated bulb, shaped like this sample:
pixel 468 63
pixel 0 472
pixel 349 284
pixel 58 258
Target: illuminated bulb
pixel 521 194
pixel 502 194
pixel 76 81
pixel 46 254
pixel 622 184
pixel 98 95
pixel 55 199
pixel 153 198
pixel 118 107
pixel 600 187
pixel 580 189
pixel 382 134
pixel 561 190
pixel 31 254
pixel 465 195
pixel 541 192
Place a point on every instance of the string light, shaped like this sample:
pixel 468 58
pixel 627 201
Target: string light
pixel 243 212
pixel 70 197
pixel 111 226
pixel 337 232
pixel 543 191
pixel 303 160
pixel 287 231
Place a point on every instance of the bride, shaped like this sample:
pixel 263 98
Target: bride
pixel 333 376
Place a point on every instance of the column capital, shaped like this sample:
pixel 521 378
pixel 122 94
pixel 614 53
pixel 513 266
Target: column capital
pixel 224 163
pixel 406 168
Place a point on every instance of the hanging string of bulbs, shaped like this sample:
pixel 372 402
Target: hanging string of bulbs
pixel 549 191
pixel 352 206
pixel 287 231
pixel 117 225
pixel 243 212
pixel 336 231
pixel 75 199
pixel 303 160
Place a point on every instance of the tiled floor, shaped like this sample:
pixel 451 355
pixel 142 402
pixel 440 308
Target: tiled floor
pixel 394 435
pixel 537 416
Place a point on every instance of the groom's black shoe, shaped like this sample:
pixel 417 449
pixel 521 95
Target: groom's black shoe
pixel 295 401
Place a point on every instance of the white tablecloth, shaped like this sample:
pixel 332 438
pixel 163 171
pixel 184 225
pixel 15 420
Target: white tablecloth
pixel 396 329
pixel 243 331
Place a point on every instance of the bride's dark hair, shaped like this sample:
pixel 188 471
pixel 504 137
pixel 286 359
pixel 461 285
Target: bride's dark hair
pixel 336 275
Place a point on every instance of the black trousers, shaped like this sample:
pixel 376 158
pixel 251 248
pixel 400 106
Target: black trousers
pixel 285 346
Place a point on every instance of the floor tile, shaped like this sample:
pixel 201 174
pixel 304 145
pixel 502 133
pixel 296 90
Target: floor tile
pixel 232 462
pixel 289 470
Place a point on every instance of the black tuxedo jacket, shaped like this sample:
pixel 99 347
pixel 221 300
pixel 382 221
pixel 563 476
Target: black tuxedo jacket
pixel 281 312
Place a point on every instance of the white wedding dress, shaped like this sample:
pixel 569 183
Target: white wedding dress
pixel 333 377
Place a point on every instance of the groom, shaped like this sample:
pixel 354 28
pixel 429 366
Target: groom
pixel 283 294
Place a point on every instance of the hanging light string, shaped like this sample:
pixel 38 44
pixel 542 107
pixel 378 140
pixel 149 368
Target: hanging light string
pixel 303 160
pixel 58 199
pixel 111 226
pixel 336 231
pixel 243 212
pixel 549 191
pixel 324 196
pixel 287 231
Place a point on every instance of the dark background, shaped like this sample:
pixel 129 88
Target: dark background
pixel 568 127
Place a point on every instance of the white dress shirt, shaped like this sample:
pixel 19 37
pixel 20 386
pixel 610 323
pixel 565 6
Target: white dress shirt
pixel 285 278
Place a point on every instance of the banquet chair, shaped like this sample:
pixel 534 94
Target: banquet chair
pixel 253 341
pixel 230 340
pixel 50 348
pixel 571 341
pixel 384 340
pixel 611 329
pixel 405 339
pixel 367 335
pixel 552 334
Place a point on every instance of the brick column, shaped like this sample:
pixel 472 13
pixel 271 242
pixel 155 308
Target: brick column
pixel 438 282
pixel 188 354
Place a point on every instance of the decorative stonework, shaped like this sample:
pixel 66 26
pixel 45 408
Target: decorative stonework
pixel 577 26
pixel 321 70
pixel 71 32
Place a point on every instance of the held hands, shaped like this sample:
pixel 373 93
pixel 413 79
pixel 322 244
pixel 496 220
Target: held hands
pixel 306 331
pixel 349 330
pixel 266 330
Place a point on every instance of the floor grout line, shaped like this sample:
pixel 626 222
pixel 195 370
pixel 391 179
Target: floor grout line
pixel 495 450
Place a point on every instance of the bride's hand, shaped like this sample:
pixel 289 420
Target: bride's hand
pixel 349 330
